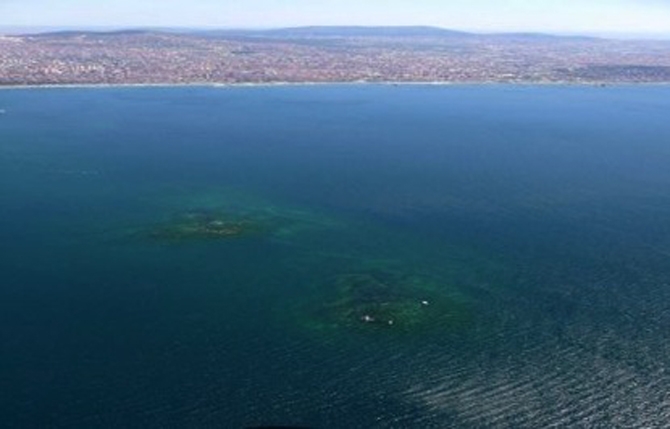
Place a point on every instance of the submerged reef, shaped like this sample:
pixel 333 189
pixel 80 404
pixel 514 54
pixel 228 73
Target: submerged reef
pixel 385 301
pixel 229 214
pixel 206 224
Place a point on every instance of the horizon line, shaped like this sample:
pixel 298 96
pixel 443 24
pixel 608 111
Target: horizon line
pixel 17 30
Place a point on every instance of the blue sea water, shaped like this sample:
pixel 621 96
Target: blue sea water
pixel 540 215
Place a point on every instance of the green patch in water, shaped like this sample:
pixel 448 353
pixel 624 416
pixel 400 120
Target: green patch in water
pixel 206 225
pixel 382 301
pixel 226 214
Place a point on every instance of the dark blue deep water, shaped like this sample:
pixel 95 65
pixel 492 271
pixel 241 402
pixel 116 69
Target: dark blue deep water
pixel 534 222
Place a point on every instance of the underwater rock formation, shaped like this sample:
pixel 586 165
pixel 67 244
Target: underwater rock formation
pixel 386 301
pixel 202 224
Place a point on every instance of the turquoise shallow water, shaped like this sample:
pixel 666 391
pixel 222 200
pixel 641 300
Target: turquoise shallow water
pixel 533 220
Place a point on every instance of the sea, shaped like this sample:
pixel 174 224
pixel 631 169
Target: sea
pixel 335 256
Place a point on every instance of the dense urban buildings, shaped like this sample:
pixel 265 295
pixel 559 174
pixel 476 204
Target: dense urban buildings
pixel 325 55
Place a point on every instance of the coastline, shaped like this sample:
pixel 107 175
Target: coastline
pixel 318 83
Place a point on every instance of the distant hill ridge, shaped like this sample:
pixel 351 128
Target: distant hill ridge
pixel 313 32
pixel 361 31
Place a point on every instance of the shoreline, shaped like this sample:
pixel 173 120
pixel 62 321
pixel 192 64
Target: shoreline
pixel 334 83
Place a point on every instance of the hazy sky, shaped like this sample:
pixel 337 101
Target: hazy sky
pixel 600 16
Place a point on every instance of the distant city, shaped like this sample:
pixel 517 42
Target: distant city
pixel 325 54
